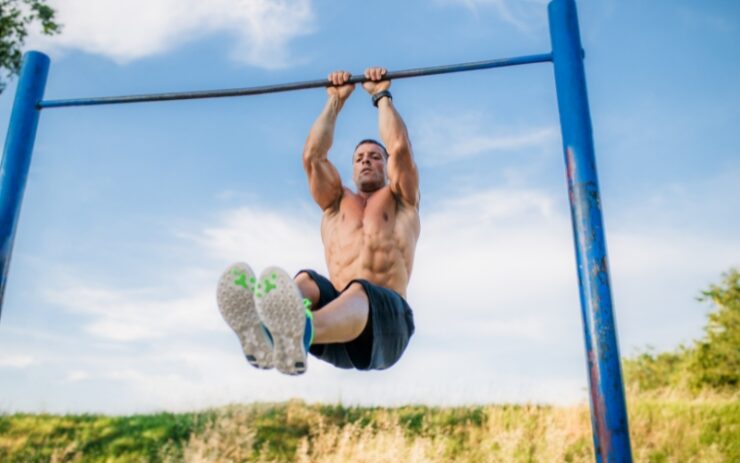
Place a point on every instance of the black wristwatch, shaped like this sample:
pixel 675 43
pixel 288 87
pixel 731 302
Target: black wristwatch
pixel 380 95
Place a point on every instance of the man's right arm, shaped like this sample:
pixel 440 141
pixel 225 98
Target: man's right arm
pixel 323 178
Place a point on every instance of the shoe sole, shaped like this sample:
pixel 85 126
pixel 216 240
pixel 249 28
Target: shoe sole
pixel 238 308
pixel 280 307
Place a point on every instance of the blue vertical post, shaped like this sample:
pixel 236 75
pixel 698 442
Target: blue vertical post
pixel 608 406
pixel 17 153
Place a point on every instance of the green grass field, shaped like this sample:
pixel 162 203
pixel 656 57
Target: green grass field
pixel 702 429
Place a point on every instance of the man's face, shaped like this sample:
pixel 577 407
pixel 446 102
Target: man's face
pixel 369 167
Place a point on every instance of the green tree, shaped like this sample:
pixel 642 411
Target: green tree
pixel 712 362
pixel 715 360
pixel 15 17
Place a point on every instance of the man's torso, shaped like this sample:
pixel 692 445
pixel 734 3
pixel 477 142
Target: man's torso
pixel 371 239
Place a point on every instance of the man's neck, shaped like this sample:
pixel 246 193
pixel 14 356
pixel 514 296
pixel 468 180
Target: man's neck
pixel 367 194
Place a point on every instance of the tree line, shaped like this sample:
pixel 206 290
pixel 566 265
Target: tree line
pixel 710 363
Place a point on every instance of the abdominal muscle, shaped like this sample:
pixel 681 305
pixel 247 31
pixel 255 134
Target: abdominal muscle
pixel 371 239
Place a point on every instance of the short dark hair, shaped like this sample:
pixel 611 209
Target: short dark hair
pixel 375 142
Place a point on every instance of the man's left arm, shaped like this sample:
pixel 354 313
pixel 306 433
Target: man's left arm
pixel 402 172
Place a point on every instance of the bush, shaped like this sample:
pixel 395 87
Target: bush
pixel 711 363
pixel 715 360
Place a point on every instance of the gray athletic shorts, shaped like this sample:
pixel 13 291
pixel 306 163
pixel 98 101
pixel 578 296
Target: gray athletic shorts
pixel 390 325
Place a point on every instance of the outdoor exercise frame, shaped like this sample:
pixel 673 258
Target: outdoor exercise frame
pixel 608 406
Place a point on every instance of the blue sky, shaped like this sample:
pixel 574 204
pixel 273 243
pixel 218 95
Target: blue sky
pixel 132 212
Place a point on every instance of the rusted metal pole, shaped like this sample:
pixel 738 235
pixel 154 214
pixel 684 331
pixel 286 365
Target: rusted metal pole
pixel 608 406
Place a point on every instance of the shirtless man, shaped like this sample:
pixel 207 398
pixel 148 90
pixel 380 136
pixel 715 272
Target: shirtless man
pixel 369 237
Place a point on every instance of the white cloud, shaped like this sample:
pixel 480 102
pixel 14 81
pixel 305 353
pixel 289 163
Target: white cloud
pixel 131 315
pixel 192 354
pixel 133 29
pixel 16 361
pixel 657 273
pixel 187 305
pixel 496 265
pixel 494 292
pixel 501 262
pixel 264 237
pixel 77 375
pixel 449 138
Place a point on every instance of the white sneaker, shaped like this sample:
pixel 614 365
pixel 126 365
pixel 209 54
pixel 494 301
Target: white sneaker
pixel 282 309
pixel 236 302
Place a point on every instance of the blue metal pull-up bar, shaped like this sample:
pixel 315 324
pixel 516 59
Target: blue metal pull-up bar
pixel 608 406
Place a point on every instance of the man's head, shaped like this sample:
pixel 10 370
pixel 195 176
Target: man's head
pixel 369 165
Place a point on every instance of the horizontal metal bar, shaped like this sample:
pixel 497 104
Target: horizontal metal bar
pixel 428 71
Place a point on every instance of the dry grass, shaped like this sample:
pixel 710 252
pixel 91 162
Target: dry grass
pixel 665 427
pixel 509 434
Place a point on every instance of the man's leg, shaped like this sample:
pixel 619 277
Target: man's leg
pixel 308 287
pixel 341 320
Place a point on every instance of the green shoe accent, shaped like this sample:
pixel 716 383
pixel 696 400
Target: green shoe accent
pixel 241 279
pixel 309 319
pixel 268 285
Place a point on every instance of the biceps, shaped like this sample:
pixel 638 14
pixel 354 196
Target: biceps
pixel 324 182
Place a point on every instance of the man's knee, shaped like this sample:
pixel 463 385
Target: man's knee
pixel 308 287
pixel 357 289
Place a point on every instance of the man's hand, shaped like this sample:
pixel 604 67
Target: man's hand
pixel 339 87
pixel 375 85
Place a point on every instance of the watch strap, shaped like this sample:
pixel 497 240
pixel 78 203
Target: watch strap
pixel 380 95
